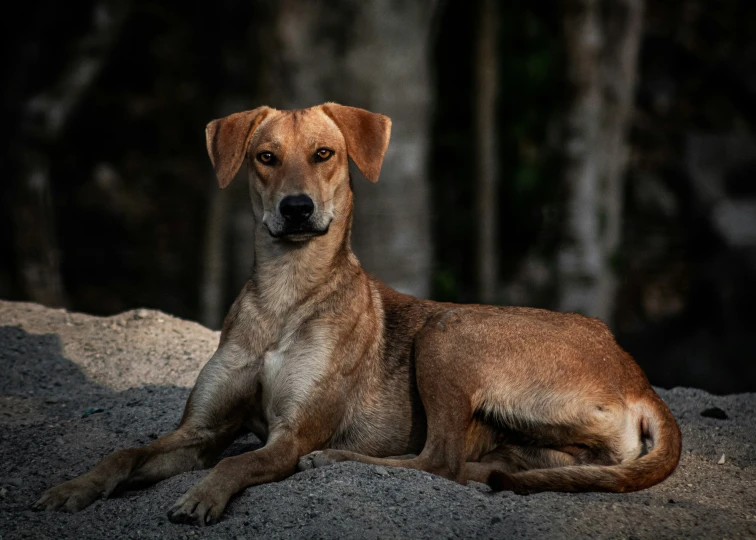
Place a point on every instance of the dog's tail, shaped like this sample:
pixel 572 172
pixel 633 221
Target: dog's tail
pixel 657 427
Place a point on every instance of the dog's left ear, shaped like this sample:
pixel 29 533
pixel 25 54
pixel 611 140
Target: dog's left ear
pixel 228 139
pixel 367 136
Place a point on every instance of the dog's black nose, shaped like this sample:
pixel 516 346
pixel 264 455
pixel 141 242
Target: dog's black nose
pixel 296 208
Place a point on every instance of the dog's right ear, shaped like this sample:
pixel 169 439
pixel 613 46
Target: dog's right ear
pixel 228 139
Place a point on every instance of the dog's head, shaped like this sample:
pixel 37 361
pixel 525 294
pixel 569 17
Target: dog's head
pixel 298 166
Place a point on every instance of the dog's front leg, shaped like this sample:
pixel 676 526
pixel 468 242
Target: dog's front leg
pixel 204 503
pixel 209 424
pixel 183 450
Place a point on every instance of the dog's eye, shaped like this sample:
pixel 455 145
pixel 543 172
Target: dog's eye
pixel 323 154
pixel 266 158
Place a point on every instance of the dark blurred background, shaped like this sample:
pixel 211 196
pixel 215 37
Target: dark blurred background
pixel 583 155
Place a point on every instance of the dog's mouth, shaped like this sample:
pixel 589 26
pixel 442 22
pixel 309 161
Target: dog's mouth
pixel 298 234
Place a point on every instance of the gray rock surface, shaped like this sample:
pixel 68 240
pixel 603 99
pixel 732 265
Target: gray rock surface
pixel 54 366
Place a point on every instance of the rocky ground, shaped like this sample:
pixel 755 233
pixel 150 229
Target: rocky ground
pixel 75 387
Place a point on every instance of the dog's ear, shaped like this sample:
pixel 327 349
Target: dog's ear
pixel 367 136
pixel 228 139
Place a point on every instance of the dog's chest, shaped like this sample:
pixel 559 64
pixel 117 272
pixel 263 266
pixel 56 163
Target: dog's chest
pixel 289 373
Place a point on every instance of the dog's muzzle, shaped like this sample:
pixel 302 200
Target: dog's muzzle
pixel 297 223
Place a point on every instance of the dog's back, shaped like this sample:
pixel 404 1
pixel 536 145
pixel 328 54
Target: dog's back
pixel 326 364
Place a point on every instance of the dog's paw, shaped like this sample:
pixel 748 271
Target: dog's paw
pixel 319 458
pixel 201 505
pixel 503 481
pixel 70 496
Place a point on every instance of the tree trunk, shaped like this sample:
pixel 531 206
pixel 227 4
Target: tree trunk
pixel 35 239
pixel 214 266
pixel 375 55
pixel 623 21
pixel 602 40
pixel 485 127
pixel 44 118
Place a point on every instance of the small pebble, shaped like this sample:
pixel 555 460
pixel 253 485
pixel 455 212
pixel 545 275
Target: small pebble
pixel 381 471
pixel 91 410
pixel 714 412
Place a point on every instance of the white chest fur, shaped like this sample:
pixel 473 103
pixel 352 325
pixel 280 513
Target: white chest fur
pixel 291 371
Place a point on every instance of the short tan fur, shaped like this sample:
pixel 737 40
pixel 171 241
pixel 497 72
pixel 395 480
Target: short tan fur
pixel 326 364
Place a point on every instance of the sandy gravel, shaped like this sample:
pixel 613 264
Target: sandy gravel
pixel 137 366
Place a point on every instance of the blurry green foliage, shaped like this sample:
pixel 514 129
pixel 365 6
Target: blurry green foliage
pixel 531 83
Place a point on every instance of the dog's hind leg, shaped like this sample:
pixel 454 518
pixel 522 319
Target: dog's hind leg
pixel 450 428
pixel 511 459
pixel 441 455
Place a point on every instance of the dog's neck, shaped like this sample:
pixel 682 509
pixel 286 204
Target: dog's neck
pixel 286 274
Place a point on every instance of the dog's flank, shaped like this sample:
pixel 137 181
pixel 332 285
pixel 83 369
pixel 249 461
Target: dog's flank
pixel 326 364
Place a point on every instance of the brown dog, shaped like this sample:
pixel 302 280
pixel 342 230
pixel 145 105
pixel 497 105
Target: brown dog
pixel 314 354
